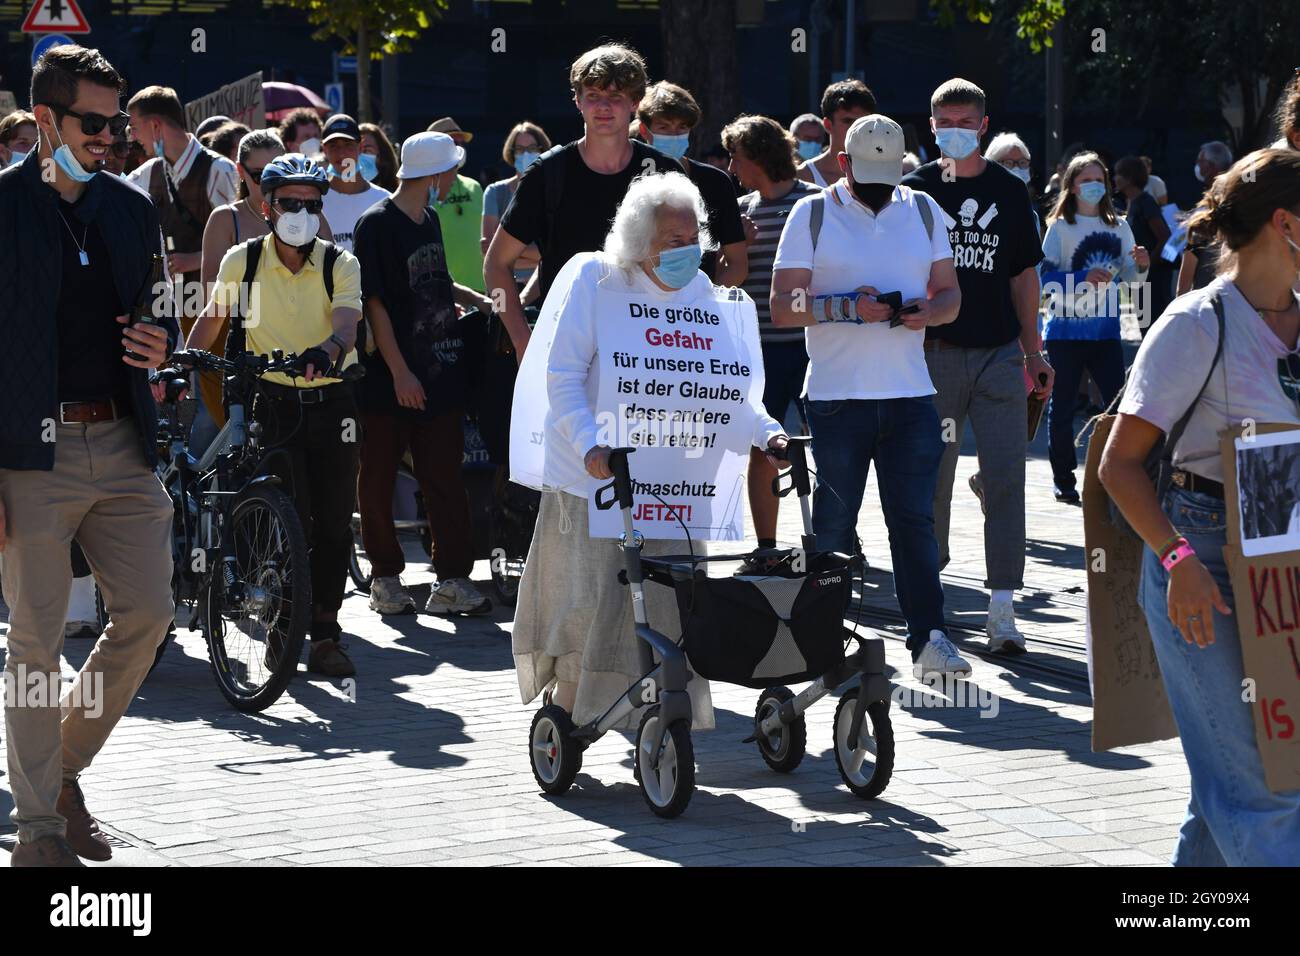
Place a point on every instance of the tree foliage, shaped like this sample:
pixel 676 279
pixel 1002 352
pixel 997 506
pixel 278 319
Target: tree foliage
pixel 1234 57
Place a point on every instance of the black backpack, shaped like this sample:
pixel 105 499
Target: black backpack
pixel 236 341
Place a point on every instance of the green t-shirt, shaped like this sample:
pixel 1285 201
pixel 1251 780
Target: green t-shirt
pixel 461 218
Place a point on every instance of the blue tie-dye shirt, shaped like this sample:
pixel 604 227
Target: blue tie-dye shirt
pixel 1075 310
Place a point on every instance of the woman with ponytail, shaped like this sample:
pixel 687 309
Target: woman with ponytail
pixel 1253 209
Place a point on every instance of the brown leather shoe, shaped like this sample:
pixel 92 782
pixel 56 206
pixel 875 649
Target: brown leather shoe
pixel 45 851
pixel 327 658
pixel 84 835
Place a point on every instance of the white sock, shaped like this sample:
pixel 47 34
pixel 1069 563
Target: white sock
pixel 1000 597
pixel 81 600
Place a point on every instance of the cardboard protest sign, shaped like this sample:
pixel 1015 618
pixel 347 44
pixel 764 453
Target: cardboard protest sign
pixel 1129 704
pixel 675 383
pixel 241 101
pixel 1262 490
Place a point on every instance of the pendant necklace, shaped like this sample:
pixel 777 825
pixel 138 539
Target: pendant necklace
pixel 81 246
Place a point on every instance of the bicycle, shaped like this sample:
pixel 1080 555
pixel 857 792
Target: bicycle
pixel 239 550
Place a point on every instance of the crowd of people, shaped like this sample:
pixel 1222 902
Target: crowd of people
pixel 897 298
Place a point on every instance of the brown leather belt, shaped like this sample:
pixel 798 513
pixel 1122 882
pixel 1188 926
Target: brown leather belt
pixel 81 413
pixel 1191 482
pixel 935 345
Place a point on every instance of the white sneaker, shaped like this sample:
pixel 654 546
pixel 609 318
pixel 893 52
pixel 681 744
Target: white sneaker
pixel 940 657
pixel 457 596
pixel 387 596
pixel 1001 629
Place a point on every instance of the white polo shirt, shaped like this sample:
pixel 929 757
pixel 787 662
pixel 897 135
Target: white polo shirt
pixel 889 252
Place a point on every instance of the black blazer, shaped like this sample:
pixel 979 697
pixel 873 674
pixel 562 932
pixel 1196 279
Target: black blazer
pixel 31 267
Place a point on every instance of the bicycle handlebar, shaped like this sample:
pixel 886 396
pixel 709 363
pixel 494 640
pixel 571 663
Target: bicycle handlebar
pixel 247 363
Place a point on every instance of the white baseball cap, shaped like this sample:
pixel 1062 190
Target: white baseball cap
pixel 875 147
pixel 427 154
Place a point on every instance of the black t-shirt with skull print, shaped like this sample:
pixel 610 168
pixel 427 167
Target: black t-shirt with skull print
pixel 404 265
pixel 994 237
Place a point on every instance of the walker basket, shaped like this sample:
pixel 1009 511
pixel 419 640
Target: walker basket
pixel 755 630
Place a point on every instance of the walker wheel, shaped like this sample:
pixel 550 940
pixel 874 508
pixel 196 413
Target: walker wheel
pixel 555 756
pixel 784 748
pixel 867 763
pixel 667 789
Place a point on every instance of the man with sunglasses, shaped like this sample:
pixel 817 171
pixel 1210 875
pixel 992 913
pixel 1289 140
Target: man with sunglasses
pixel 308 301
pixel 77 434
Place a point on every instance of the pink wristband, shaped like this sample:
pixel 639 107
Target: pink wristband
pixel 1180 553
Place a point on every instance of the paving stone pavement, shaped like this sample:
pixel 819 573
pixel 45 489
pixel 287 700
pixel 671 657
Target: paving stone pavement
pixel 424 759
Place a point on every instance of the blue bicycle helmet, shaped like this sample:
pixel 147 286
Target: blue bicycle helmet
pixel 293 169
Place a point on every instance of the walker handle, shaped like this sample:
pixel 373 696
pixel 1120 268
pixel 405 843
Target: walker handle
pixel 796 453
pixel 622 483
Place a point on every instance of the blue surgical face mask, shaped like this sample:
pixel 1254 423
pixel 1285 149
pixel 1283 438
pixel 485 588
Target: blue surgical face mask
pixel 158 146
pixel 524 160
pixel 1092 192
pixel 957 143
pixel 677 267
pixel 368 167
pixel 64 159
pixel 1020 174
pixel 674 146
pixel 15 157
pixel 809 149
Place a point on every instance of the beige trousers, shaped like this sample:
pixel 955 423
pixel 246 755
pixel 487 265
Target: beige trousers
pixel 102 492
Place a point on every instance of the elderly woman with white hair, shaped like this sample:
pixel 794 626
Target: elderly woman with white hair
pixel 1009 151
pixel 573 635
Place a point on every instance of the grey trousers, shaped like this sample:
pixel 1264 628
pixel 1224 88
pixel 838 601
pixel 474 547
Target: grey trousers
pixel 988 387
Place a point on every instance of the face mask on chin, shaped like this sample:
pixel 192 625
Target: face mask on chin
pixel 70 165
pixel 874 195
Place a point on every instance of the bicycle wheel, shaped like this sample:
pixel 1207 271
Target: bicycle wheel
pixel 255 611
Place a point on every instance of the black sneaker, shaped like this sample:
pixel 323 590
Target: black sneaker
pixel 1068 497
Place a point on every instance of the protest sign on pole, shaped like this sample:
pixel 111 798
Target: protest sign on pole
pixel 241 100
pixel 1262 499
pixel 675 380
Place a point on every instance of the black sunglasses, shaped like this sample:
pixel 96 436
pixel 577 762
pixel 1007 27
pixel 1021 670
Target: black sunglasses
pixel 92 123
pixel 291 205
pixel 255 174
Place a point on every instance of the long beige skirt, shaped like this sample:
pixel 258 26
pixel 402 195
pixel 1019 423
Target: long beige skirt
pixel 573 620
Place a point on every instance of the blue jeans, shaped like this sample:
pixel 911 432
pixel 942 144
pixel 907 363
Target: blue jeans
pixel 902 436
pixel 1233 819
pixel 1104 361
pixel 784 367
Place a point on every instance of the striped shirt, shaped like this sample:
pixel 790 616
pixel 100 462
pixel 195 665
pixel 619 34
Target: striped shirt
pixel 769 216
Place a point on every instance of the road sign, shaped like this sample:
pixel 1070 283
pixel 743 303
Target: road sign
pixel 45 42
pixel 334 97
pixel 55 16
pixel 347 64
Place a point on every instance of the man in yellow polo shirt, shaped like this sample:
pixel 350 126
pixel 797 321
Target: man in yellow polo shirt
pixel 313 417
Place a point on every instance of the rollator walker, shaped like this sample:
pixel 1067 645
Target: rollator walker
pixel 779 618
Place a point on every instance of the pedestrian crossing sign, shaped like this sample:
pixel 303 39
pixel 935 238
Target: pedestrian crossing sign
pixel 55 16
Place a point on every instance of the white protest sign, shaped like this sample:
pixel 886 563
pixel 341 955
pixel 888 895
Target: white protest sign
pixel 675 379
pixel 241 100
